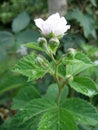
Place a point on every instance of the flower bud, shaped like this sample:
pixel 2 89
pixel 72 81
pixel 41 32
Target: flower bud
pixel 41 61
pixel 22 50
pixel 69 78
pixel 71 52
pixel 54 44
pixel 42 41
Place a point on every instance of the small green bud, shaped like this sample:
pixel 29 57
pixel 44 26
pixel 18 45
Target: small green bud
pixel 54 44
pixel 42 41
pixel 54 41
pixel 69 78
pixel 40 60
pixel 71 52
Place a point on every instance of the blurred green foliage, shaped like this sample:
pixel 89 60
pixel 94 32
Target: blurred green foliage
pixel 9 9
pixel 17 28
pixel 83 17
pixel 16 23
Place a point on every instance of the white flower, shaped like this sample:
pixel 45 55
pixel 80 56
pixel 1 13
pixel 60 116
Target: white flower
pixel 22 50
pixel 55 25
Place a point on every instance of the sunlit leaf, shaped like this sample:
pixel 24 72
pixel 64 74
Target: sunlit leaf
pixel 32 68
pixel 29 116
pixel 57 120
pixel 76 66
pixel 34 46
pixel 82 111
pixel 84 85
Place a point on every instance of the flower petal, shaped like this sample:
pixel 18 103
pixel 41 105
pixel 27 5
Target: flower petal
pixel 63 21
pixel 54 17
pixel 39 22
pixel 60 28
pixel 63 26
pixel 46 28
pixel 54 24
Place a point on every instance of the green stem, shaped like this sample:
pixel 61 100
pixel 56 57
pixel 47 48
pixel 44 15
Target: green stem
pixel 52 57
pixel 59 97
pixel 60 91
pixel 56 67
pixel 60 86
pixel 56 73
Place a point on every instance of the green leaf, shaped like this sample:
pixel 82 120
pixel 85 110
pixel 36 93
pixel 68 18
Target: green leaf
pixel 90 27
pixel 53 91
pixel 10 81
pixel 62 71
pixel 20 22
pixel 93 2
pixel 84 127
pixel 84 85
pixel 6 38
pixel 72 41
pixel 29 116
pixel 30 68
pixel 96 127
pixel 82 111
pixel 6 124
pixel 90 50
pixel 27 36
pixel 3 56
pixel 81 56
pixel 74 67
pixel 86 21
pixel 77 64
pixel 42 114
pixel 54 120
pixel 25 95
pixel 34 46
